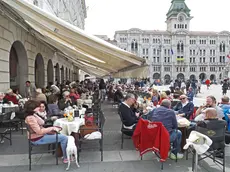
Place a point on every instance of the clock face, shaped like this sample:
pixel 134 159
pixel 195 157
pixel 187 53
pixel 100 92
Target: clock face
pixel 181 18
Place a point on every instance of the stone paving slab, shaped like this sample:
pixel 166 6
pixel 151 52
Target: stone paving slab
pixel 128 166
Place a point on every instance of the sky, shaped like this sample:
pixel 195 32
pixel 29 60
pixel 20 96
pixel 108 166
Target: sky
pixel 104 17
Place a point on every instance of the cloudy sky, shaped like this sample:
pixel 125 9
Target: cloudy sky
pixel 107 16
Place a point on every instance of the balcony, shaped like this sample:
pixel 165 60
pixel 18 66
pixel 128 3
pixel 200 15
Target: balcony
pixel 179 59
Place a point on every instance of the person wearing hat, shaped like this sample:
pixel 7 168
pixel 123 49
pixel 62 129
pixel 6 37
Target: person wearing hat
pixel 11 97
pixel 184 107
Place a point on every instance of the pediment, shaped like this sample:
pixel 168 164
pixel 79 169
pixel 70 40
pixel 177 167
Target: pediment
pixel 181 32
pixel 135 30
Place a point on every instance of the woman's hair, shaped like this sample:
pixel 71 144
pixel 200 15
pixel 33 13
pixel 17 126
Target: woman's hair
pixel 30 106
pixel 163 95
pixel 52 99
pixel 15 91
pixel 45 104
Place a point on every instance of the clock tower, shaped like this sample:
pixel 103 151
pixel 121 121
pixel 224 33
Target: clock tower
pixel 178 16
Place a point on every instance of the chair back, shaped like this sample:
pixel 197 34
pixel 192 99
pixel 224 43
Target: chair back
pixel 215 130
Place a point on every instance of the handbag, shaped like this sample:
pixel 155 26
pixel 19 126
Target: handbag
pixel 89 127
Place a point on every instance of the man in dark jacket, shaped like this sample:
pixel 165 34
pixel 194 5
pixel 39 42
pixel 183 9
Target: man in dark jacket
pixel 168 118
pixel 129 118
pixel 184 107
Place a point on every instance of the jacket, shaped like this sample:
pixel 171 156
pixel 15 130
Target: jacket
pixel 12 99
pixel 36 129
pixel 166 116
pixel 151 136
pixel 188 109
pixel 128 116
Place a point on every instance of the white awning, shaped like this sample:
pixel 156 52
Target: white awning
pixel 138 72
pixel 82 48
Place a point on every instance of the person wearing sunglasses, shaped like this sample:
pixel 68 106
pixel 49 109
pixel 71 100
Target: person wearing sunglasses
pixel 66 101
pixel 184 107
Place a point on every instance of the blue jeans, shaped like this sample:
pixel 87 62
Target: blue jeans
pixel 48 139
pixel 175 138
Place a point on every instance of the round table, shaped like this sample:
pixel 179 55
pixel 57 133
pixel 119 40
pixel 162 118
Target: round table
pixel 69 127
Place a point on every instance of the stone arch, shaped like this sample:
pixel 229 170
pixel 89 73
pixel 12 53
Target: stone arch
pixel 167 79
pixel 180 76
pixel 18 66
pixel 156 76
pixel 39 71
pixel 50 72
pixel 212 77
pixel 62 74
pixel 192 77
pixel 57 73
pixel 202 76
pixel 66 74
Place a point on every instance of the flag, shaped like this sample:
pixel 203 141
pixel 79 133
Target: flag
pixel 228 56
pixel 172 51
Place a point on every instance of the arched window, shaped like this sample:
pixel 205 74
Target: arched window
pixel 178 47
pixel 223 47
pixel 132 45
pixel 136 46
pixel 182 47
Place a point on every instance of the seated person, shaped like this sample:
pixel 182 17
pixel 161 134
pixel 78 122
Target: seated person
pixel 74 95
pixel 66 101
pixel 53 109
pixel 41 110
pixel 184 108
pixel 211 122
pixel 168 118
pixel 118 96
pixel 210 103
pixel 39 134
pixel 3 100
pixel 178 91
pixel 40 96
pixel 155 97
pixel 10 97
pixel 225 106
pixel 175 100
pixel 163 96
pixel 129 118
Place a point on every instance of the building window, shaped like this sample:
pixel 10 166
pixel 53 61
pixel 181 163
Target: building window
pixel 190 60
pixel 185 26
pixel 158 59
pixel 154 51
pixel 35 2
pixel 174 26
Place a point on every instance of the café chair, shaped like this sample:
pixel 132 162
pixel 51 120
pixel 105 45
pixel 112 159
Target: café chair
pixel 32 145
pixel 124 131
pixel 6 127
pixel 216 132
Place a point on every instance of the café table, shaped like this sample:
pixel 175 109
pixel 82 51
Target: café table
pixel 69 127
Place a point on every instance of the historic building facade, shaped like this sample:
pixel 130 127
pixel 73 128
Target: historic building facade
pixel 179 53
pixel 24 57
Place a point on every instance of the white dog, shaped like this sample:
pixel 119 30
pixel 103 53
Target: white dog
pixel 71 149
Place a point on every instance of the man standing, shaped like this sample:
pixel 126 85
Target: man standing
pixel 168 118
pixel 30 90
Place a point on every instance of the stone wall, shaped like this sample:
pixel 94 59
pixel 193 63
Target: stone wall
pixel 10 33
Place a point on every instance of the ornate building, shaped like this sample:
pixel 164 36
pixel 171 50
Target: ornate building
pixel 178 53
